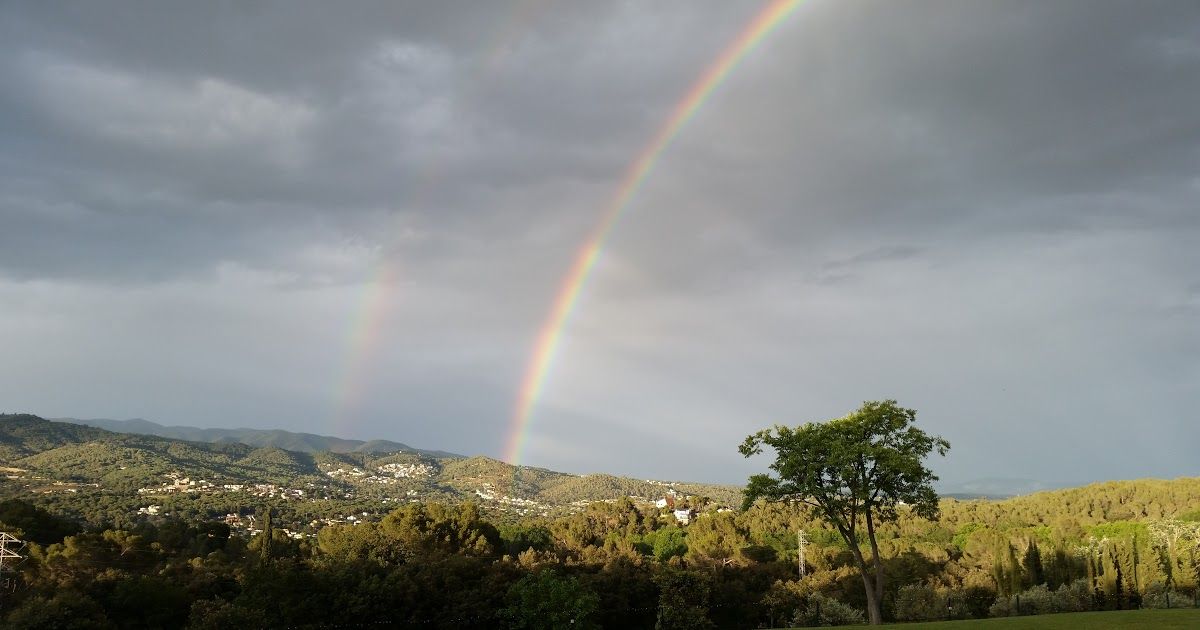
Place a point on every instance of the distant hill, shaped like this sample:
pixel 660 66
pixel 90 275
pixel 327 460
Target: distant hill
pixel 276 438
pixel 56 452
pixel 970 496
pixel 24 435
pixel 59 451
pixel 998 488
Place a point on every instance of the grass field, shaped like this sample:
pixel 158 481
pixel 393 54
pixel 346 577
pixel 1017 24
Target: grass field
pixel 1150 619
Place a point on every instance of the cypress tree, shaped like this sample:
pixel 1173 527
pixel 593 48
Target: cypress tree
pixel 267 531
pixel 1034 572
pixel 1015 578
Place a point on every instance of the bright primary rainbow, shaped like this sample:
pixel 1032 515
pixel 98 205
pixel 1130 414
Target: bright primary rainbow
pixel 548 339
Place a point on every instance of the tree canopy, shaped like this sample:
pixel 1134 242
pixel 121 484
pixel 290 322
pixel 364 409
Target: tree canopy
pixel 855 472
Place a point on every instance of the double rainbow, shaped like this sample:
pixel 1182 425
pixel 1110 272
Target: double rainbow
pixel 551 333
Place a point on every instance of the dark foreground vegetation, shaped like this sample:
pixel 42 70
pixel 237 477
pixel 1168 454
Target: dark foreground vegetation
pixel 1108 546
pixel 1174 619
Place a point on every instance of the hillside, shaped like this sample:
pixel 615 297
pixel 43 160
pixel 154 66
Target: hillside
pixel 61 452
pixel 25 435
pixel 57 456
pixel 1074 508
pixel 277 438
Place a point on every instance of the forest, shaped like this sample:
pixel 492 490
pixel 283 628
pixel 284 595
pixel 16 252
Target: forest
pixel 1112 545
pixel 119 530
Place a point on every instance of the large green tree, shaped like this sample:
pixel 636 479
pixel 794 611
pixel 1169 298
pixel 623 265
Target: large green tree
pixel 855 472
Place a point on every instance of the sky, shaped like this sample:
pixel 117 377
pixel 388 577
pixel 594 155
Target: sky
pixel 354 218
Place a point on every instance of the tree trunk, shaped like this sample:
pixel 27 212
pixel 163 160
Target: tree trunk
pixel 875 559
pixel 874 612
pixel 874 607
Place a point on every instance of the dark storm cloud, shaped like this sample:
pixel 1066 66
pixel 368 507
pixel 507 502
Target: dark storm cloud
pixel 986 209
pixel 910 118
pixel 322 117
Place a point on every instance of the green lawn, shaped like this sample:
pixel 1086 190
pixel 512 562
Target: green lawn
pixel 1188 619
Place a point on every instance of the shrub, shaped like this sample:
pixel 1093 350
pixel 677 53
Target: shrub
pixel 683 598
pixel 215 614
pixel 1040 600
pixel 546 600
pixel 670 541
pixel 820 610
pixel 1033 601
pixel 785 598
pixel 67 609
pixel 1074 597
pixel 917 602
pixel 975 602
pixel 1159 596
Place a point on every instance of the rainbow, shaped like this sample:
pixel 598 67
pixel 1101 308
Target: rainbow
pixel 380 292
pixel 365 330
pixel 551 333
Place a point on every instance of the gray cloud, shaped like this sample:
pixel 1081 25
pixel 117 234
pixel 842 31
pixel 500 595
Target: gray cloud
pixel 357 219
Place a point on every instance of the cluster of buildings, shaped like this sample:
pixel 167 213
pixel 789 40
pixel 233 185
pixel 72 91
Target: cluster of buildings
pixel 386 474
pixel 408 471
pixel 518 505
pixel 673 504
pixel 271 491
pixel 63 486
pixel 248 524
pixel 349 519
pixel 177 483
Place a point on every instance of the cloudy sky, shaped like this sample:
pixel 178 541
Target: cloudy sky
pixel 354 219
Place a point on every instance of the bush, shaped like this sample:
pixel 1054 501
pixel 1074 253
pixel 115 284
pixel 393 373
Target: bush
pixel 917 602
pixel 1040 600
pixel 67 610
pixel 820 610
pixel 784 599
pixel 546 600
pixel 1075 597
pixel 683 598
pixel 1167 599
pixel 215 614
pixel 1159 596
pixel 975 601
pixel 1033 601
pixel 669 542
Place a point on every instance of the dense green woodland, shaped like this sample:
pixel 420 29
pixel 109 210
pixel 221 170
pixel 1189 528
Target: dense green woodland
pixel 1106 546
pixel 92 562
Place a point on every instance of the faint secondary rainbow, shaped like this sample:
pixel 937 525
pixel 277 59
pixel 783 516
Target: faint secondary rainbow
pixel 366 331
pixel 551 333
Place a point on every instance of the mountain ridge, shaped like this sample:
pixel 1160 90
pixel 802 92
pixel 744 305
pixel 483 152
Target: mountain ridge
pixel 57 454
pixel 41 456
pixel 991 488
pixel 288 440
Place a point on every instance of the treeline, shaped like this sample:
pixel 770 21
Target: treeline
pixel 615 564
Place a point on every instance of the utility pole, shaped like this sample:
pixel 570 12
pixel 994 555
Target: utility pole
pixel 10 557
pixel 800 541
